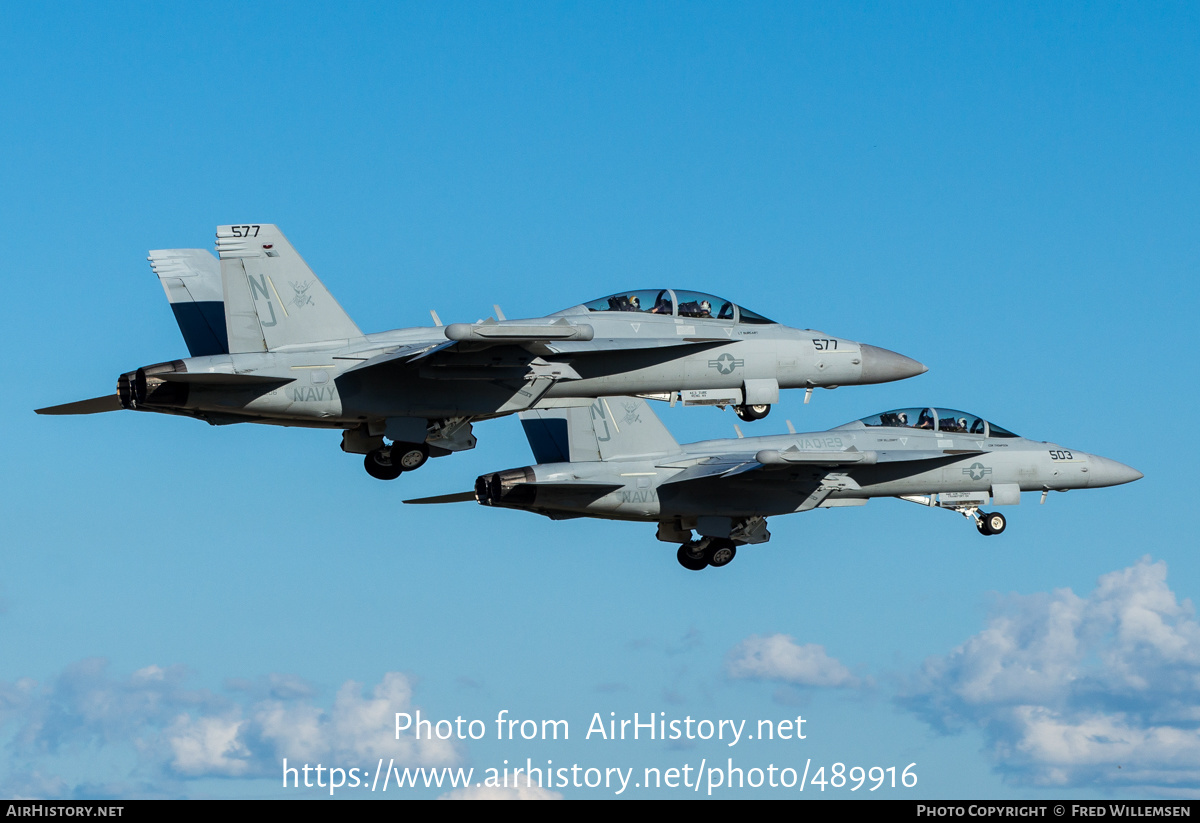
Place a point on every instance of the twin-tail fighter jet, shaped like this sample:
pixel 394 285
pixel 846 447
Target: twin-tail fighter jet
pixel 269 344
pixel 615 460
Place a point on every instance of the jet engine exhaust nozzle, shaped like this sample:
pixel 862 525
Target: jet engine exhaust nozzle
pixel 141 389
pixel 509 489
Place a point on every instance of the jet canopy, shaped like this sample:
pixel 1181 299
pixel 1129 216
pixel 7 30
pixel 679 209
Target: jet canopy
pixel 931 419
pixel 677 303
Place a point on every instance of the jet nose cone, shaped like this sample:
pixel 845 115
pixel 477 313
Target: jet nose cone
pixel 883 366
pixel 1105 472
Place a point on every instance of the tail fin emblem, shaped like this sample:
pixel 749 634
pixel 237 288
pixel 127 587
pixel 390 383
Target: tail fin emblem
pixel 302 297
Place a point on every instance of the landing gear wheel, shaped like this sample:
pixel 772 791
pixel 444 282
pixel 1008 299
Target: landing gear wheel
pixel 756 412
pixel 995 523
pixel 981 523
pixel 720 553
pixel 689 559
pixel 380 465
pixel 409 456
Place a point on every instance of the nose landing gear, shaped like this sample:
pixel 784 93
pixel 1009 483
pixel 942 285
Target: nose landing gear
pixel 755 412
pixel 990 523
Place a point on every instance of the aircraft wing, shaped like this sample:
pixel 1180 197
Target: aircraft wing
pixel 850 457
pixel 605 344
pixel 733 464
pixel 598 489
pixel 401 354
pixel 726 465
pixel 479 335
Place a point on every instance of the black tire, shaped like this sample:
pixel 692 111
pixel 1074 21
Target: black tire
pixel 756 412
pixel 381 467
pixel 720 553
pixel 409 456
pixel 995 523
pixel 981 523
pixel 690 561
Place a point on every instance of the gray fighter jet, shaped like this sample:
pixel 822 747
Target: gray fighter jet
pixel 615 460
pixel 269 344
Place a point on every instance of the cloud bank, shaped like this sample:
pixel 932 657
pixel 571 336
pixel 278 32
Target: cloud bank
pixel 780 658
pixel 1079 691
pixel 164 733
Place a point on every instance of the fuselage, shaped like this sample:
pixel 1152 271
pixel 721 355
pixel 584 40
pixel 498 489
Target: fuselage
pixel 904 462
pixel 704 360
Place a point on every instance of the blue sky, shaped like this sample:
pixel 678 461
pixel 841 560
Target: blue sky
pixel 1007 194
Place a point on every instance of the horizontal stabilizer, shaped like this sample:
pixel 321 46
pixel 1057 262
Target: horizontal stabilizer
pixel 580 485
pixel 458 497
pixel 219 379
pixel 110 402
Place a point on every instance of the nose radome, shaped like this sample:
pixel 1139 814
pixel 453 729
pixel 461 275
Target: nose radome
pixel 1105 472
pixel 884 366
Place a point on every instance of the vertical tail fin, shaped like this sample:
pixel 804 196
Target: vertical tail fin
pixel 192 280
pixel 610 428
pixel 272 297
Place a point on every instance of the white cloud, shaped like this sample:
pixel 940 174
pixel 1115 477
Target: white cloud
pixel 177 733
pixel 357 727
pixel 779 657
pixel 1073 691
pixel 207 746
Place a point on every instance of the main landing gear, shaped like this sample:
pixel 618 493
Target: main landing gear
pixel 389 462
pixel 756 412
pixel 696 555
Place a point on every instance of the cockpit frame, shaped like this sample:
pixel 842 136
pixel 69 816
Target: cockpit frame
pixel 679 303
